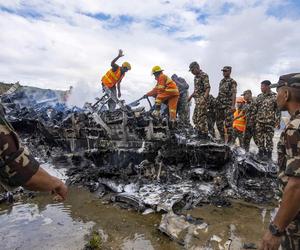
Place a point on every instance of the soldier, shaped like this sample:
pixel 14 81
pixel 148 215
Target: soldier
pixel 285 228
pixel 248 107
pixel 200 94
pixel 183 108
pixel 226 104
pixel 19 168
pixel 211 115
pixel 267 117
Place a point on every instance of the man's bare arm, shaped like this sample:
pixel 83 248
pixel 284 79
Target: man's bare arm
pixel 42 181
pixel 113 62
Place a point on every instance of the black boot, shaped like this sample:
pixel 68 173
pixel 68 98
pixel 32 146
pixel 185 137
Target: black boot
pixel 269 155
pixel 202 136
pixel 260 154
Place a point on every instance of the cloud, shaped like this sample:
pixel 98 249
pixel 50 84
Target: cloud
pixel 60 43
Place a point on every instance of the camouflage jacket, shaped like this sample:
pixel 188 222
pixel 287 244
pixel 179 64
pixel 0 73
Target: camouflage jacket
pixel 249 112
pixel 265 109
pixel 227 88
pixel 289 151
pixel 201 84
pixel 17 165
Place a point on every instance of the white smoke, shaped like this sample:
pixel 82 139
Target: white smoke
pixel 83 92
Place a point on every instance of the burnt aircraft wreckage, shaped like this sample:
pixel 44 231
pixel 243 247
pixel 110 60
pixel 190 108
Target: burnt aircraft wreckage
pixel 133 158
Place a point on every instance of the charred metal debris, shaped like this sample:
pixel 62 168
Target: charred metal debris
pixel 134 159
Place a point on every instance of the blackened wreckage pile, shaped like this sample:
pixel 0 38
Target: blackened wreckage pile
pixel 133 158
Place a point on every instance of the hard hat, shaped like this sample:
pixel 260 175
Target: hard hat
pixel 126 65
pixel 156 69
pixel 240 99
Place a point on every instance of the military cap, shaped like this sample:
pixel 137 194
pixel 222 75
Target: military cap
pixel 226 68
pixel 290 80
pixel 266 82
pixel 193 65
pixel 248 91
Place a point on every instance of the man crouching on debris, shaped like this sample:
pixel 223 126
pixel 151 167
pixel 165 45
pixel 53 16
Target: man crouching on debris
pixel 165 90
pixel 19 168
pixel 113 78
pixel 285 228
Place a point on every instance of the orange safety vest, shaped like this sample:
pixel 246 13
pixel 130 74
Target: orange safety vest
pixel 164 85
pixel 239 123
pixel 111 78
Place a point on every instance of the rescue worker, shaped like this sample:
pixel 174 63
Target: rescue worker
pixel 111 81
pixel 165 90
pixel 285 227
pixel 267 118
pixel 19 168
pixel 183 108
pixel 226 104
pixel 239 121
pixel 250 124
pixel 211 115
pixel 200 94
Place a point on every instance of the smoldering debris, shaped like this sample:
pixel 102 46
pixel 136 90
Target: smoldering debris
pixel 137 161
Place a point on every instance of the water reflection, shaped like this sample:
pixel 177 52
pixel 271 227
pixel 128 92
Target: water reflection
pixel 40 223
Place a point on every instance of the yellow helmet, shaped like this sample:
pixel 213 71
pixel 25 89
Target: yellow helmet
pixel 126 65
pixel 156 69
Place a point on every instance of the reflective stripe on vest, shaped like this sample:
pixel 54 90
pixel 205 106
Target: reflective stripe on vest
pixel 111 78
pixel 166 83
pixel 239 123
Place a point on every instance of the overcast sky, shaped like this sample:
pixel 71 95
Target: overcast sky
pixel 55 44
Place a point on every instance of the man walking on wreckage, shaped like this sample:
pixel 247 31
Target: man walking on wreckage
pixel 225 103
pixel 111 81
pixel 285 228
pixel 165 90
pixel 200 94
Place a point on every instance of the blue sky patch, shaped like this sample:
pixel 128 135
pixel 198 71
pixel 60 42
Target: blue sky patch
pixel 286 9
pixel 24 12
pixel 100 16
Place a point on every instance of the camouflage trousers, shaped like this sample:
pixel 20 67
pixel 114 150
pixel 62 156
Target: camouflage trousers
pixel 183 109
pixel 224 119
pixel 291 239
pixel 240 135
pixel 263 136
pixel 249 133
pixel 200 115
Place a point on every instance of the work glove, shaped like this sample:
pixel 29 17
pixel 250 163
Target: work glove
pixel 156 113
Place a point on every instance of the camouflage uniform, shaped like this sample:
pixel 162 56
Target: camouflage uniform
pixel 17 165
pixel 201 84
pixel 211 114
pixel 266 116
pixel 249 132
pixel 227 89
pixel 289 166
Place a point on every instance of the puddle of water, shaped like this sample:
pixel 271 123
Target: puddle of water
pixel 37 224
pixel 40 223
